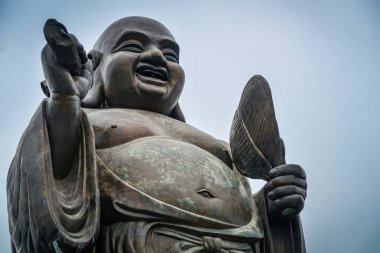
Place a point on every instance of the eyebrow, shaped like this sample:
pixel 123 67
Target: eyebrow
pixel 133 34
pixel 170 44
pixel 130 34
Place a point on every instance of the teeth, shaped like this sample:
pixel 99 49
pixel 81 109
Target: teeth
pixel 152 73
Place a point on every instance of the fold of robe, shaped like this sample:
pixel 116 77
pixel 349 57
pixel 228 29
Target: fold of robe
pixel 279 236
pixel 46 214
pixel 50 215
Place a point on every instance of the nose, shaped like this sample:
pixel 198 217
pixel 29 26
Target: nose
pixel 153 56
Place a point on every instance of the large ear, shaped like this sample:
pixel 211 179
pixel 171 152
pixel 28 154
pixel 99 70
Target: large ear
pixel 177 114
pixel 45 88
pixel 94 97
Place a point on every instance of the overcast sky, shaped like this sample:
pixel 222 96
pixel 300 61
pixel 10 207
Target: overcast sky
pixel 321 58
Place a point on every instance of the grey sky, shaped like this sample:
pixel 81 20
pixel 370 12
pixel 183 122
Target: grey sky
pixel 321 58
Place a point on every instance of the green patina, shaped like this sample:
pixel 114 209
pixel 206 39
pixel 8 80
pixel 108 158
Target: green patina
pixel 188 204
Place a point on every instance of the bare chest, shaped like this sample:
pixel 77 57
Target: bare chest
pixel 113 127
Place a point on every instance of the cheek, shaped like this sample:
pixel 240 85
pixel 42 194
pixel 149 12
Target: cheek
pixel 118 70
pixel 177 78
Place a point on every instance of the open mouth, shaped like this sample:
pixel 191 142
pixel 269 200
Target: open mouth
pixel 152 74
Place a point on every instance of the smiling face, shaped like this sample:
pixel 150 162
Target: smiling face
pixel 139 66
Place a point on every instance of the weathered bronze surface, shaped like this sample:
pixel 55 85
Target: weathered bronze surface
pixel 108 164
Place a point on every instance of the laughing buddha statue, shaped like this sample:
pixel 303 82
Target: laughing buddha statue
pixel 107 164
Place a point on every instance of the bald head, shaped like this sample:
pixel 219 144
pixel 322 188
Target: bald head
pixel 136 65
pixel 123 26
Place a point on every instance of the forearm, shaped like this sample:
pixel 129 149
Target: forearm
pixel 63 114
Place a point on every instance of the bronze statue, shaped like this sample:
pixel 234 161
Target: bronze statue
pixel 108 164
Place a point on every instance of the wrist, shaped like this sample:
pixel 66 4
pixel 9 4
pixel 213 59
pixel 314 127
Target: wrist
pixel 64 98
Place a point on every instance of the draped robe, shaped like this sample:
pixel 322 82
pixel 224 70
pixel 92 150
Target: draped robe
pixel 51 215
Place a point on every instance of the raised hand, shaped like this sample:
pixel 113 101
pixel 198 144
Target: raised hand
pixel 65 64
pixel 286 191
pixel 68 73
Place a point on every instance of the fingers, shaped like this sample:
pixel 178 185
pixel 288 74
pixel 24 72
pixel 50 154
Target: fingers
pixel 58 78
pixel 284 181
pixel 294 201
pixel 286 190
pixel 80 49
pixel 283 191
pixel 288 169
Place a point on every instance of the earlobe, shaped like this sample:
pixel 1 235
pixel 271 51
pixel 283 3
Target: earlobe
pixel 95 96
pixel 177 114
pixel 95 56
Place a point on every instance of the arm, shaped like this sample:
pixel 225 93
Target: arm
pixel 66 70
pixel 44 216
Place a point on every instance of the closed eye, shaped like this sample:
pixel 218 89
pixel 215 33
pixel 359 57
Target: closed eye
pixel 170 55
pixel 206 194
pixel 129 45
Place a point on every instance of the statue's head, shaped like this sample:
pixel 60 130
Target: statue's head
pixel 136 65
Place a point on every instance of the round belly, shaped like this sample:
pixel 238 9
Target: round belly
pixel 178 174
